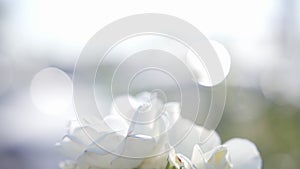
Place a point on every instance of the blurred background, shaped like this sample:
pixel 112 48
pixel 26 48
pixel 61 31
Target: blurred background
pixel 40 41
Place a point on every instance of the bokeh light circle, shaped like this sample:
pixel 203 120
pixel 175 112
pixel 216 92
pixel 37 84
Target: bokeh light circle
pixel 51 91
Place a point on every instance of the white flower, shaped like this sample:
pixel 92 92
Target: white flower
pixel 204 148
pixel 117 141
pixel 129 138
pixel 234 154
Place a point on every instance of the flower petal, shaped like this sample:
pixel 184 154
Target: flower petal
pixel 172 113
pixel 218 158
pixel 85 135
pixel 70 148
pixel 206 139
pixel 68 165
pixel 244 154
pixel 99 156
pixel 108 160
pixel 139 146
pixel 198 157
pixel 117 123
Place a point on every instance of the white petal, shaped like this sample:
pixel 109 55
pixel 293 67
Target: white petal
pixel 167 119
pixel 68 165
pixel 117 123
pixel 244 154
pixel 198 157
pixel 98 157
pixel 108 150
pixel 139 146
pixel 218 158
pixel 188 136
pixel 103 161
pixel 107 161
pixel 85 135
pixel 108 141
pixel 157 162
pixel 172 110
pixel 69 147
pixel 74 144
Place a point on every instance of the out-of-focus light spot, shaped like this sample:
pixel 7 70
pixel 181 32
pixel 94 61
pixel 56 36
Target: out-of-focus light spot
pixel 204 77
pixel 51 91
pixel 6 74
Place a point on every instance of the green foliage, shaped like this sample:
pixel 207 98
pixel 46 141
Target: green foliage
pixel 275 129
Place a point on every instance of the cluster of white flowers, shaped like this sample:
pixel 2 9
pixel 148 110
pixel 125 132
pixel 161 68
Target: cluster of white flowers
pixel 115 142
